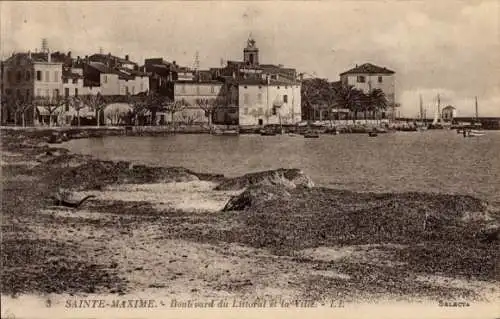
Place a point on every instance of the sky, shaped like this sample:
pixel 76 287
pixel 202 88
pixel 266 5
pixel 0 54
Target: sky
pixel 450 47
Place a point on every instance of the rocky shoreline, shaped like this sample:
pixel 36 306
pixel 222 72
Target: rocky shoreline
pixel 171 229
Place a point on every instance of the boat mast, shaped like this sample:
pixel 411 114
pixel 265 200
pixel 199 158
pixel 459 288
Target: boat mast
pixel 477 114
pixel 439 108
pixel 421 109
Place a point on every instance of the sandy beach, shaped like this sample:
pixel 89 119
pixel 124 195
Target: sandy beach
pixel 164 232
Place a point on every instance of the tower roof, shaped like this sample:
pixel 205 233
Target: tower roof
pixel 251 43
pixel 368 68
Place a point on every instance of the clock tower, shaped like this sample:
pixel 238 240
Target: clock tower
pixel 251 53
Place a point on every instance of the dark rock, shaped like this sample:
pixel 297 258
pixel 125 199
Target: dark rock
pixel 284 177
pixel 255 195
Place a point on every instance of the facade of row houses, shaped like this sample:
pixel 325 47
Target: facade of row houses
pixel 55 74
pixel 246 92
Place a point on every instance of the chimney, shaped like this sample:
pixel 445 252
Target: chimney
pixel 87 59
pixel 69 54
pixel 356 65
pixel 49 56
pixel 29 54
pixel 126 57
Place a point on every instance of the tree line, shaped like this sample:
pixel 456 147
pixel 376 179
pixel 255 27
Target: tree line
pixel 319 94
pixel 139 106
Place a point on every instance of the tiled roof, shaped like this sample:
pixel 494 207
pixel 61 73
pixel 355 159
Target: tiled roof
pixel 123 73
pixel 101 67
pixel 264 82
pixel 199 82
pixel 368 68
pixel 108 56
pixel 70 75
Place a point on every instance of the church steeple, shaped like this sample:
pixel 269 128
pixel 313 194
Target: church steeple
pixel 251 52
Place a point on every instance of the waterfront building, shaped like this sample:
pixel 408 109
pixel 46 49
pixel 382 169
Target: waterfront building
pixel 269 101
pixel 367 77
pixel 29 75
pixel 266 93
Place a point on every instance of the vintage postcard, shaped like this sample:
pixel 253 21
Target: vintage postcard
pixel 239 159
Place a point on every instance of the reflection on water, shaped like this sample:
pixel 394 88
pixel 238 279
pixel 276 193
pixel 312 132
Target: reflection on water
pixel 434 161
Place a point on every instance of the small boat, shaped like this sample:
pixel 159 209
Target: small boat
pixel 372 134
pixel 471 132
pixel 311 135
pixel 221 132
pixel 230 133
pixel 267 133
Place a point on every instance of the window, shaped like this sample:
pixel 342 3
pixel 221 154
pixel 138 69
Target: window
pixel 274 110
pixel 75 81
pixel 66 108
pixel 105 79
pixel 28 93
pixel 183 88
pixel 38 92
pixel 65 80
pixel 285 98
pixel 259 98
pixel 47 92
pixel 245 110
pixel 361 79
pixel 126 90
pixel 8 91
pixel 76 91
pixel 28 75
pixel 47 76
pixel 9 76
pixel 38 75
pixel 19 76
pixel 18 93
pixel 56 76
pixel 142 86
pixel 246 99
pixel 56 92
pixel 66 92
pixel 212 89
pixel 133 90
pixel 197 90
pixel 379 79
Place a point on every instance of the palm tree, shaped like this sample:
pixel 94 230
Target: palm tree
pixel 351 98
pixel 378 101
